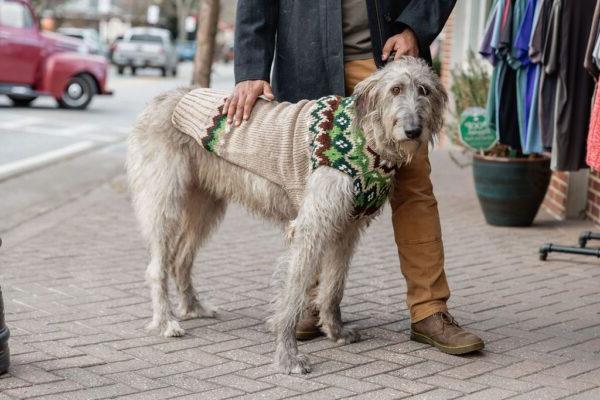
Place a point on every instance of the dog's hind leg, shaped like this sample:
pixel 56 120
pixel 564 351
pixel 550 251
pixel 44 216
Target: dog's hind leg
pixel 202 213
pixel 332 280
pixel 324 212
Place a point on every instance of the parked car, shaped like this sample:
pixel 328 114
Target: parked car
pixel 89 36
pixel 144 47
pixel 186 50
pixel 35 63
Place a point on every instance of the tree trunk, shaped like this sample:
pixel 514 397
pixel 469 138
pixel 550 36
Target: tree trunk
pixel 208 17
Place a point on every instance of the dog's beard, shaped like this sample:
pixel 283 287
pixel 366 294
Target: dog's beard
pixel 407 149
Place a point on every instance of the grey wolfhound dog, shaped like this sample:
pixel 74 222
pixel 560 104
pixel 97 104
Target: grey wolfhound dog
pixel 180 192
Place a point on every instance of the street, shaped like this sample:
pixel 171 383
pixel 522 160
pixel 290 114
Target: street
pixel 49 155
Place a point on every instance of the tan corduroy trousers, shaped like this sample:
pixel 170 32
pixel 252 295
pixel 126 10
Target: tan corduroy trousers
pixel 416 223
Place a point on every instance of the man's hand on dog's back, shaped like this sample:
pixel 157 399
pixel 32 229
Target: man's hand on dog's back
pixel 239 105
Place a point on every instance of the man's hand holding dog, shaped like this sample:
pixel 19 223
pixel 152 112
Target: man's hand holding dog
pixel 403 44
pixel 239 105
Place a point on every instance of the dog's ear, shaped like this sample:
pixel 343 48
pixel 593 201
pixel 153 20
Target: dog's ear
pixel 366 95
pixel 439 102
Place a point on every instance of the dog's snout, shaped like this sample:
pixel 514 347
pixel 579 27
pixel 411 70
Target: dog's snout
pixel 414 133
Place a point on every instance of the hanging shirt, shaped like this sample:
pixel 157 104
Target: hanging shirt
pixel 534 136
pixel 589 63
pixel 486 50
pixel 509 102
pixel 549 80
pixel 575 89
pixel 527 80
pixel 596 54
pixel 593 141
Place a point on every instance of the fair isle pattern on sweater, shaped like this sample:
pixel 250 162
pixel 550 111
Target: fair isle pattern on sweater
pixel 336 144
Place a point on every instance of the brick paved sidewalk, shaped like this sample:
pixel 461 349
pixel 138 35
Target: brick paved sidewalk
pixel 76 304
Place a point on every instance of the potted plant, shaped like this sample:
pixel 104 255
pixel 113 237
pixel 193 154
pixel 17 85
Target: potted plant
pixel 510 186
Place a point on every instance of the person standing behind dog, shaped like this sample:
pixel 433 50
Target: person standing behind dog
pixel 318 48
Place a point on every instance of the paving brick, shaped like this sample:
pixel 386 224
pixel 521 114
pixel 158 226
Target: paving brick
pixel 275 393
pixel 296 383
pixel 401 384
pixel 543 394
pixel 71 362
pixel 501 382
pixel 241 383
pixel 223 369
pixel 169 369
pixel 490 394
pixel 459 385
pixel 470 370
pixel 437 394
pixel 571 385
pixel 121 366
pixel 10 382
pixel 136 381
pixel 593 394
pixel 44 389
pixel 103 392
pixel 216 394
pixel 374 368
pixel 83 377
pixel 156 394
pixel 344 382
pixel 382 394
pixel 521 369
pixel 421 370
pixel 33 374
pixel 325 394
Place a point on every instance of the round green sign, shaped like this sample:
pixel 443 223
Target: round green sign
pixel 475 131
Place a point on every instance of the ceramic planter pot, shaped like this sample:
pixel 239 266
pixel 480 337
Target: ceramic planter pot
pixel 510 190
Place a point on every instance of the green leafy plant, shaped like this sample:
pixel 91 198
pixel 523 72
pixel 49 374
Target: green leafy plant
pixel 470 86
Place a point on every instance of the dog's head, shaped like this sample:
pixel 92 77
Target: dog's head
pixel 401 107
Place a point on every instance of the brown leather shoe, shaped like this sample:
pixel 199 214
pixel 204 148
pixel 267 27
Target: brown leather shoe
pixel 308 326
pixel 442 331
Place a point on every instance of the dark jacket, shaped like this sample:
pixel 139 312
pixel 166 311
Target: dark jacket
pixel 303 40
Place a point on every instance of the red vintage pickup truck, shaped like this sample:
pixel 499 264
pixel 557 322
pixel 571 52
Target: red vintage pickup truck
pixel 35 63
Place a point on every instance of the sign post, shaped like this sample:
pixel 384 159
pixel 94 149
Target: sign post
pixel 475 131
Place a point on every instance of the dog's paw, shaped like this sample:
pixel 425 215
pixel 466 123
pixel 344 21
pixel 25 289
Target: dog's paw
pixel 346 336
pixel 196 311
pixel 166 328
pixel 294 364
pixel 172 329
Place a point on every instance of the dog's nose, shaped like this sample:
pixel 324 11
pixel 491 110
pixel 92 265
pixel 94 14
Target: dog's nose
pixel 414 133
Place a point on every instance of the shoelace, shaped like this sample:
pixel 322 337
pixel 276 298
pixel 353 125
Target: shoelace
pixel 447 319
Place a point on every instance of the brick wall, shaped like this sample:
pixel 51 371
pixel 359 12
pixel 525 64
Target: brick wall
pixel 555 202
pixel 593 203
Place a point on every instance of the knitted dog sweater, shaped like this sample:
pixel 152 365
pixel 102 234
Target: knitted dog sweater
pixel 284 143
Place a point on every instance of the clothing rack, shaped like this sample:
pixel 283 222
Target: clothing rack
pixel 582 250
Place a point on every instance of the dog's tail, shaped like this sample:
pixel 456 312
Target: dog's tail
pixel 153 146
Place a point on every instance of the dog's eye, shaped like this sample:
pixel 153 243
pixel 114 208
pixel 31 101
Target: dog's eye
pixel 396 90
pixel 423 91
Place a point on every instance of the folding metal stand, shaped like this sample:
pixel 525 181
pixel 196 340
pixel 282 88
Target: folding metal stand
pixel 582 250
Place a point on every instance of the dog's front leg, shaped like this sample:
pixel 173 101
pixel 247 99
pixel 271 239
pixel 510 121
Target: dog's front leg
pixel 324 212
pixel 332 280
pixel 294 299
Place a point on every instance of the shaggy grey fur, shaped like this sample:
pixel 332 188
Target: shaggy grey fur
pixel 180 193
